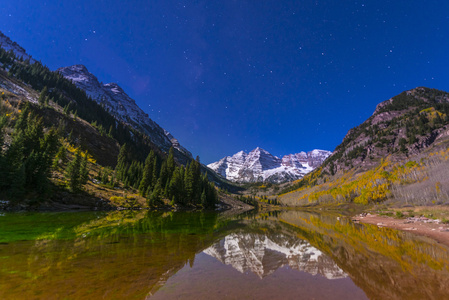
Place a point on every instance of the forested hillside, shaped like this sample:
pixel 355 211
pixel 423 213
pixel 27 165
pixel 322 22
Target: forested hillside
pixel 57 144
pixel 399 153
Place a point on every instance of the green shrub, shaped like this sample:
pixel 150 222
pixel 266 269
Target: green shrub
pixel 399 214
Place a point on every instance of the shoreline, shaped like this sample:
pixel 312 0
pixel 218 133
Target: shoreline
pixel 223 205
pixel 419 226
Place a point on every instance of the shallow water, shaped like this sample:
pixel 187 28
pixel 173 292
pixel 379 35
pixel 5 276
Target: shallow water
pixel 281 255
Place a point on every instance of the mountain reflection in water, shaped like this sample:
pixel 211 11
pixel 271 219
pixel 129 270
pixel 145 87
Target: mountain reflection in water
pixel 264 254
pixel 137 255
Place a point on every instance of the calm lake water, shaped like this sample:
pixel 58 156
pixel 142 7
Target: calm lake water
pixel 154 255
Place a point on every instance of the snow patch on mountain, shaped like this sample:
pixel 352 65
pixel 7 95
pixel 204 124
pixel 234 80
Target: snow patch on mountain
pixel 17 90
pixel 7 44
pixel 259 165
pixel 123 107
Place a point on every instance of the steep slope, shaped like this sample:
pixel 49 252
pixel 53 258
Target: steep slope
pixel 259 165
pixel 8 45
pixel 123 107
pixel 399 154
pixel 400 127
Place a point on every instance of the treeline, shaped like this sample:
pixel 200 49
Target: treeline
pixel 158 179
pixel 405 100
pixel 33 152
pixel 273 201
pixel 251 200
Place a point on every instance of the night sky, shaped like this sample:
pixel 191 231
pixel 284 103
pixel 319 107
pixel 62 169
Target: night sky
pixel 224 76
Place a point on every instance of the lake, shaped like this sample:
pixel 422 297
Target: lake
pixel 195 255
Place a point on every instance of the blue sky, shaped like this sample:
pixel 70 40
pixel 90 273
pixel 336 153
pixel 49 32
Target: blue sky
pixel 225 76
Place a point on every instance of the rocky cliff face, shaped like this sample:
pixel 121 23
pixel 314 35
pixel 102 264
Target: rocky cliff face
pixel 123 107
pixel 400 127
pixel 262 255
pixel 259 165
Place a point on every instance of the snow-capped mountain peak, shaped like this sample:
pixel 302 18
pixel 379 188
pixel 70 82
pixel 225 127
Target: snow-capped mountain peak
pixel 239 156
pixel 260 165
pixel 122 106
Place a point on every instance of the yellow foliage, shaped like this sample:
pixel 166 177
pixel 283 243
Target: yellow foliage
pixel 72 149
pixel 438 187
pixel 432 113
pixel 372 186
pixel 117 199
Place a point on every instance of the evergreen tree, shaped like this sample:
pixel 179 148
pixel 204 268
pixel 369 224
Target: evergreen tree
pixel 43 98
pixel 155 197
pixel 163 176
pixel 147 176
pixel 84 171
pixel 171 162
pixel 22 120
pixel 66 109
pixel 203 198
pixel 112 181
pixel 189 182
pixel 122 163
pixel 175 189
pixel 60 157
pixel 156 171
pixel 77 172
pixel 402 143
pixel 105 178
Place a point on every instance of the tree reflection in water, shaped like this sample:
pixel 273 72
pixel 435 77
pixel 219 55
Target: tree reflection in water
pixel 150 254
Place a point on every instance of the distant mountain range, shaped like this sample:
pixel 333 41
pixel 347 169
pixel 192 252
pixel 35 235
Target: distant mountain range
pixel 259 165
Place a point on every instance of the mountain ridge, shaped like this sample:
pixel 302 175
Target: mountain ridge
pixel 401 126
pixel 7 44
pixel 123 107
pixel 259 165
